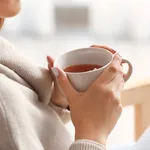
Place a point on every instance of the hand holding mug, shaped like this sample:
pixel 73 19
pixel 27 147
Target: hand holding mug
pixel 95 112
pixel 84 66
pixel 84 79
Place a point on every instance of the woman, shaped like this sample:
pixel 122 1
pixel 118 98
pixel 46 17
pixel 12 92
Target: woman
pixel 29 120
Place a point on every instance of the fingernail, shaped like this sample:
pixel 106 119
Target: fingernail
pixel 47 59
pixel 55 72
pixel 92 45
pixel 117 54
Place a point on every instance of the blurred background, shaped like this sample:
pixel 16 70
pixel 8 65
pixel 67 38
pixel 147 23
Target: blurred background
pixel 52 27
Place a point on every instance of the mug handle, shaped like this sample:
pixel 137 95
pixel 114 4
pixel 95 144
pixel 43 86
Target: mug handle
pixel 130 70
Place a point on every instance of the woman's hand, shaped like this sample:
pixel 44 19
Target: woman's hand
pixel 96 111
pixel 57 97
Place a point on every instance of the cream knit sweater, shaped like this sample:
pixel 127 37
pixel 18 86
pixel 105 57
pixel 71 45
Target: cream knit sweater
pixel 27 122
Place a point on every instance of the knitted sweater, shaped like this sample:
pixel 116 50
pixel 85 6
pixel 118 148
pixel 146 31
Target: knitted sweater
pixel 27 122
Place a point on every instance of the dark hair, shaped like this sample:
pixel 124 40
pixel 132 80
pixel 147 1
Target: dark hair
pixel 1 22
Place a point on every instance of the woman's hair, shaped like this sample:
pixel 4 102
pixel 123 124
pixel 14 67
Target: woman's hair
pixel 1 22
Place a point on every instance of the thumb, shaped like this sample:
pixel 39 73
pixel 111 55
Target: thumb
pixel 64 84
pixel 50 61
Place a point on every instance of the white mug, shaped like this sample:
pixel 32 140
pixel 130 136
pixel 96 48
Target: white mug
pixel 82 80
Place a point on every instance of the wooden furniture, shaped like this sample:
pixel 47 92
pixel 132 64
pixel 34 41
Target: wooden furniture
pixel 139 96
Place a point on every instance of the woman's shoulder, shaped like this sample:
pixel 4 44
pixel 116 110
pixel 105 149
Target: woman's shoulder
pixel 3 40
pixel 7 51
pixel 5 44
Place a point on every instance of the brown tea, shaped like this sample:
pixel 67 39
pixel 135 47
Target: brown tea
pixel 82 68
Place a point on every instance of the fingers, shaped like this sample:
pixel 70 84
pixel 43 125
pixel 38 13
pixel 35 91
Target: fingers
pixel 64 85
pixel 117 83
pixel 50 61
pixel 104 47
pixel 62 81
pixel 110 72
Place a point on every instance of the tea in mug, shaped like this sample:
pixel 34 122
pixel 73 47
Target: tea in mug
pixel 82 68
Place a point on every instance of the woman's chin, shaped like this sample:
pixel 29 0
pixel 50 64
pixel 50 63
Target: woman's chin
pixel 10 12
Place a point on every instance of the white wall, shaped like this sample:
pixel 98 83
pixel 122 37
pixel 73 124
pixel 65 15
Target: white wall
pixel 111 18
pixel 114 17
pixel 36 16
pixel 141 19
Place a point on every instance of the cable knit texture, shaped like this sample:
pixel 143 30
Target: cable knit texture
pixel 27 122
pixel 86 145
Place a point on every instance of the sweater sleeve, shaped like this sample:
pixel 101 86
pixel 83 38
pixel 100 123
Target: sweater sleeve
pixel 63 113
pixel 86 145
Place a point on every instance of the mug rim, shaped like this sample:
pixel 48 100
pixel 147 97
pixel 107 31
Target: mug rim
pixel 90 71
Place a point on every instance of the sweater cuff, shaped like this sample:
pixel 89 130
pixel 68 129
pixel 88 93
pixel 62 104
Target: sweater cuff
pixel 86 145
